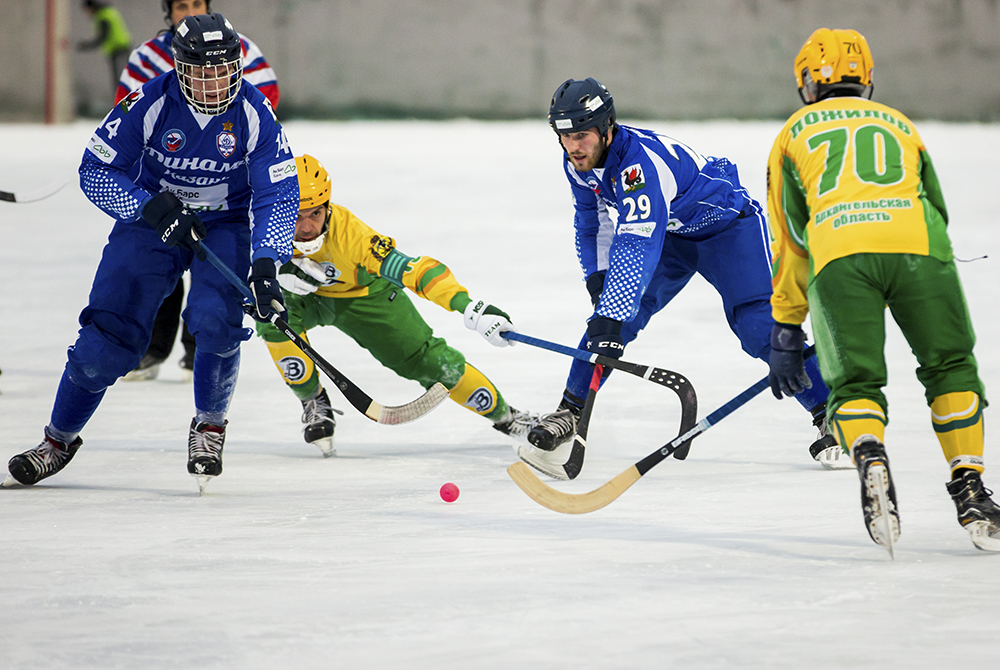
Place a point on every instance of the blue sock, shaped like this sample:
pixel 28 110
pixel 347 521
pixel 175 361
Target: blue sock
pixel 214 382
pixel 72 409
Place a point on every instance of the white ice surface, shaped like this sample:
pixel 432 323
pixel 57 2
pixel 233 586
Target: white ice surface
pixel 747 555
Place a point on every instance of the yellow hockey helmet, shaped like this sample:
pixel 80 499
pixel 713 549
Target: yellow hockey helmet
pixel 832 60
pixel 314 182
pixel 314 190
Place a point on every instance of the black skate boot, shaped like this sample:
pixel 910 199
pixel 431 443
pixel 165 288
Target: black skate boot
pixel 556 428
pixel 977 512
pixel 318 423
pixel 878 494
pixel 517 424
pixel 148 369
pixel 43 461
pixel 205 442
pixel 825 449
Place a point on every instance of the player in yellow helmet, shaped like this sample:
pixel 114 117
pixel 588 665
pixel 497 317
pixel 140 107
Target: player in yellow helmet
pixel 345 274
pixel 858 222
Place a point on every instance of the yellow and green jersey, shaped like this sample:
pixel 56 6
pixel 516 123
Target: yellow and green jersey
pixel 847 176
pixel 354 256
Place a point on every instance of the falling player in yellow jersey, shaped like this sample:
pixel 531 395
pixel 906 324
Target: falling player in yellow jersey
pixel 858 222
pixel 345 274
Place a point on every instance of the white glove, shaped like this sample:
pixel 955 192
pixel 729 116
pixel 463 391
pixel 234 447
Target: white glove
pixel 489 321
pixel 302 276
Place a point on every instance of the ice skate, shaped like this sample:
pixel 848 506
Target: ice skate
pixel 319 422
pixel 550 463
pixel 43 461
pixel 148 369
pixel 878 495
pixel 556 428
pixel 825 449
pixel 517 424
pixel 977 513
pixel 205 451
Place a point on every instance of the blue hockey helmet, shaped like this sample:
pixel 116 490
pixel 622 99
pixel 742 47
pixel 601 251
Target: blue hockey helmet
pixel 208 57
pixel 581 104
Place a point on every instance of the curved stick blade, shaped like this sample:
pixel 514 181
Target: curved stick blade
pixel 395 415
pixel 571 503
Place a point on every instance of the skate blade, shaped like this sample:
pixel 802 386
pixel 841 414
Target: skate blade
pixel 203 481
pixel 150 373
pixel 548 462
pixel 884 528
pixel 187 376
pixel 834 458
pixel 10 483
pixel 980 533
pixel 325 444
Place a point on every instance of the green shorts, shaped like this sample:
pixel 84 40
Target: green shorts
pixel 847 302
pixel 386 324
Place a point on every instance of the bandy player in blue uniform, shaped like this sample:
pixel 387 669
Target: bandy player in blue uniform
pixel 677 213
pixel 199 153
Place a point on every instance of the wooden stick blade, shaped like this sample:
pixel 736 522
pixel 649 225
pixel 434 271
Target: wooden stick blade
pixel 571 503
pixel 412 410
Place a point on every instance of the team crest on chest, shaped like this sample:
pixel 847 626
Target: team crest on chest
pixel 173 140
pixel 226 141
pixel 632 178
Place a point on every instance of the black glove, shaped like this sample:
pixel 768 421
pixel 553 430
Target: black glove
pixel 595 284
pixel 174 223
pixel 604 337
pixel 788 371
pixel 266 289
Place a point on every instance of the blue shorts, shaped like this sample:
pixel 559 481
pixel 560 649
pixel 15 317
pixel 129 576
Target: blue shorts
pixel 137 271
pixel 736 262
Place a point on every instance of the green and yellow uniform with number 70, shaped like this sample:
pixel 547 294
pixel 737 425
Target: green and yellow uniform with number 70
pixel 858 223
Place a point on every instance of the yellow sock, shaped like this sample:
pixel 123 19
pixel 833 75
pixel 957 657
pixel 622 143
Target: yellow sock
pixel 858 418
pixel 958 424
pixel 477 393
pixel 296 368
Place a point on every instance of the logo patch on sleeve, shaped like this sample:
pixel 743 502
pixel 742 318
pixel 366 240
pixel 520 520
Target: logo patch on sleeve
pixel 99 148
pixel 633 179
pixel 129 100
pixel 282 170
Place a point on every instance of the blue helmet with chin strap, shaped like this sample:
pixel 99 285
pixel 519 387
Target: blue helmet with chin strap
pixel 581 104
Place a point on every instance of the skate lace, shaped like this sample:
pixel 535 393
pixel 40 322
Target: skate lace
pixel 559 423
pixel 47 457
pixel 520 423
pixel 205 444
pixel 317 411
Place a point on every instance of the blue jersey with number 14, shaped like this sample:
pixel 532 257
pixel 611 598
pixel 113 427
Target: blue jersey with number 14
pixel 236 165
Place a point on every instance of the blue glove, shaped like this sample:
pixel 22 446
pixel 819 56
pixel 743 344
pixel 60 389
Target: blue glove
pixel 266 290
pixel 595 285
pixel 176 224
pixel 788 371
pixel 604 337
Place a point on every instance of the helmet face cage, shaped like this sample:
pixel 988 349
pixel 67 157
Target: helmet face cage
pixel 581 105
pixel 833 61
pixel 208 59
